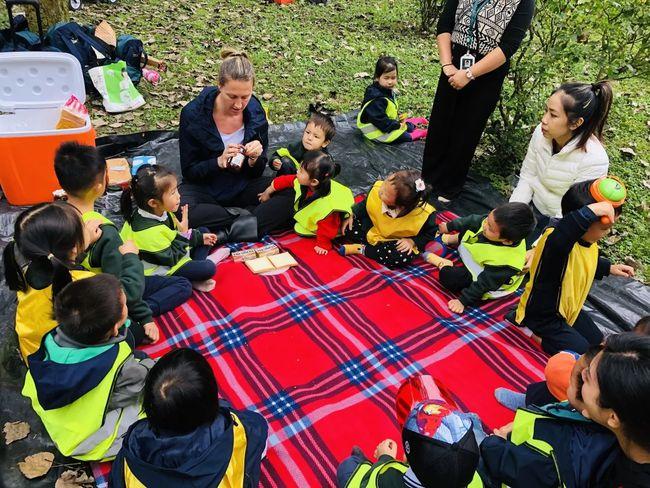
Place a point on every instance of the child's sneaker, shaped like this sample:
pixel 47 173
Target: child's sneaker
pixel 350 249
pixel 436 260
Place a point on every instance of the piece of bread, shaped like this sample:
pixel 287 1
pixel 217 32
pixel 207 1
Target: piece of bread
pixel 259 265
pixel 243 255
pixel 268 250
pixel 283 260
pixel 70 119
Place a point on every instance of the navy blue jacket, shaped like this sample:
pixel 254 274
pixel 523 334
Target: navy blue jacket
pixel 200 145
pixel 375 113
pixel 197 459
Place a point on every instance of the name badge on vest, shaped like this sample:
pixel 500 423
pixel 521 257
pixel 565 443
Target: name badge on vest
pixel 467 61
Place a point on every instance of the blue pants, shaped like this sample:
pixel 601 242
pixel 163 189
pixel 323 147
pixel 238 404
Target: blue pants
pixel 165 293
pixel 199 268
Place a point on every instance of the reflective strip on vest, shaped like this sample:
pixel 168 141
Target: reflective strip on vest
pixel 34 316
pixel 373 133
pixel 386 228
pixel 283 152
pixel 83 429
pixel 366 476
pixel 87 216
pixel 476 255
pixel 234 475
pixel 155 239
pixel 339 199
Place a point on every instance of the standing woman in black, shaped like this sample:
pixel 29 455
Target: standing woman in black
pixel 476 39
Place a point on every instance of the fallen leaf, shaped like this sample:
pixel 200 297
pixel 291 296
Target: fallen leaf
pixel 361 74
pixel 613 239
pixel 646 183
pixel 74 479
pixel 36 465
pixel 116 125
pixel 630 261
pixel 267 96
pixel 627 151
pixel 99 122
pixel 14 431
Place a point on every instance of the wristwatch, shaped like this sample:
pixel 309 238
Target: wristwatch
pixel 469 74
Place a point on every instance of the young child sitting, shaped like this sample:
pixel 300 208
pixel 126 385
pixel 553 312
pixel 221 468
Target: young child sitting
pixel 441 450
pixel 189 437
pixel 167 246
pixel 564 265
pixel 493 251
pixel 552 445
pixel 82 173
pixel 39 262
pixel 317 135
pixel 394 223
pixel 84 382
pixel 379 119
pixel 320 201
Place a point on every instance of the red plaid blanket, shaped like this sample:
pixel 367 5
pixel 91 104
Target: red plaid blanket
pixel 321 350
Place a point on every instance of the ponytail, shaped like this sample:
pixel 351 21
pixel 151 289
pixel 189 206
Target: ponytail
pixel 592 103
pixel 13 274
pixel 411 189
pixel 320 165
pixel 60 275
pixel 235 66
pixel 126 204
pixel 149 181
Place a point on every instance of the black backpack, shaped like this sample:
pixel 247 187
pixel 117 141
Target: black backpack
pixel 131 51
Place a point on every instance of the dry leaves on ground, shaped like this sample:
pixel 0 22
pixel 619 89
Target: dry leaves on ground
pixel 36 465
pixel 74 479
pixel 14 431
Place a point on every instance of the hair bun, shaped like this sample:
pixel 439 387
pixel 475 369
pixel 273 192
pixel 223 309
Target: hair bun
pixel 228 52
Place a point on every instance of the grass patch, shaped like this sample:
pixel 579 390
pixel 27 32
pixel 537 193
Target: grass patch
pixel 305 53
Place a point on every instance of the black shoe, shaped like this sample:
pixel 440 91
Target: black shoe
pixel 243 229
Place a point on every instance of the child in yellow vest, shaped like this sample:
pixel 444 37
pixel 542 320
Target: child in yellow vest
pixel 84 381
pixel 394 223
pixel 49 239
pixel 493 250
pixel 320 202
pixel 167 247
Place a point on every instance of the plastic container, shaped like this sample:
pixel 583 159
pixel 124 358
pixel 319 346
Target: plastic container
pixel 33 87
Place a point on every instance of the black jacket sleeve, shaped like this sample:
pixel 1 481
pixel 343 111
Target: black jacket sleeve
pixel 602 268
pixel 375 113
pixel 462 224
pixel 194 168
pixel 427 232
pixel 517 28
pixel 491 278
pixel 262 135
pixel 569 230
pixel 447 19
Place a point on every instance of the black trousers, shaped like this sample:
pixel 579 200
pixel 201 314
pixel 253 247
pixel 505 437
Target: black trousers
pixel 205 211
pixel 557 335
pixel 455 278
pixel 456 124
pixel 539 394
pixel 385 252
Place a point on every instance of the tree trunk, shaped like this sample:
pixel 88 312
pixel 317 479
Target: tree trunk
pixel 52 11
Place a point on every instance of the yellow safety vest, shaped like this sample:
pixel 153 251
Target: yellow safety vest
pixel 339 199
pixel 386 228
pixel 93 216
pixel 578 277
pixel 234 476
pixel 34 315
pixel 154 239
pixel 72 424
pixel 283 152
pixel 373 133
pixel 476 255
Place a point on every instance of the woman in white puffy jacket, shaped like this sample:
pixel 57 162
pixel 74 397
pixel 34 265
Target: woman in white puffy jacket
pixel 565 149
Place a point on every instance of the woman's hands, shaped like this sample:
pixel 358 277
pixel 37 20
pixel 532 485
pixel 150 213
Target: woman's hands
pixel 231 151
pixel 459 79
pixel 449 70
pixel 253 150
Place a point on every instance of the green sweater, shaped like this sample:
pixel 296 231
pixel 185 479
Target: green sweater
pixel 105 254
pixel 492 277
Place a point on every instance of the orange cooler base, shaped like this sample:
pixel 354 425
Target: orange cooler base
pixel 27 165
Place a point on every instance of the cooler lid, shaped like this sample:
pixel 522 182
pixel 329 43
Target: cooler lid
pixel 39 79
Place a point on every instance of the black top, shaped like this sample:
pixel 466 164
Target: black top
pixel 375 112
pixel 508 40
pixel 625 473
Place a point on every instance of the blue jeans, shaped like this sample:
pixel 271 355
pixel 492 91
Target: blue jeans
pixel 199 268
pixel 165 293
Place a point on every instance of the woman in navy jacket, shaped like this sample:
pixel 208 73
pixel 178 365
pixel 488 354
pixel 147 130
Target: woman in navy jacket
pixel 223 142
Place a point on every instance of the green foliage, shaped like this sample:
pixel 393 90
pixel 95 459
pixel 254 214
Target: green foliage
pixel 430 10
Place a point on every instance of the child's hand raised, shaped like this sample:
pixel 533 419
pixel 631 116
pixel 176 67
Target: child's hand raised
pixel 151 331
pixel 387 446
pixel 405 245
pixel 276 164
pixel 621 270
pixel 92 232
pixel 347 224
pixel 603 209
pixel 209 239
pixel 128 247
pixel 456 306
pixel 184 224
pixel 320 250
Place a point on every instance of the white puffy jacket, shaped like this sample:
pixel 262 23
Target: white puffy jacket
pixel 545 177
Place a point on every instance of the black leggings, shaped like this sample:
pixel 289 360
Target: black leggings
pixel 385 252
pixel 205 211
pixel 455 278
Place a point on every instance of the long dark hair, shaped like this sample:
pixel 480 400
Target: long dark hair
pixel 180 393
pixel 385 64
pixel 149 181
pixel 318 165
pixel 405 184
pixel 592 102
pixel 44 237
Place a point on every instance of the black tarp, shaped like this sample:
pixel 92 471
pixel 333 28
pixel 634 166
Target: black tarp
pixel 615 303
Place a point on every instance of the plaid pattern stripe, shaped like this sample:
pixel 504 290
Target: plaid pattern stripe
pixel 321 350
